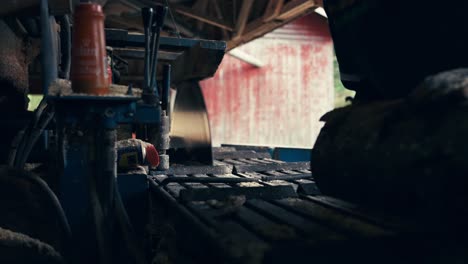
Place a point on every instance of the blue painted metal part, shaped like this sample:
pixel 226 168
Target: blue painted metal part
pixel 81 114
pixel 133 188
pixel 87 124
pixel 115 109
pixel 292 154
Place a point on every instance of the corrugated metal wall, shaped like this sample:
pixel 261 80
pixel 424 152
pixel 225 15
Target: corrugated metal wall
pixel 280 103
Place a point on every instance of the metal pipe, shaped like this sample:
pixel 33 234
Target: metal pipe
pixel 48 48
pixel 166 87
pixel 108 171
pixel 65 46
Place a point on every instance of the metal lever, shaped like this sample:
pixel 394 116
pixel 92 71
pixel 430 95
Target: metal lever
pixel 165 88
pixel 147 14
pixel 158 21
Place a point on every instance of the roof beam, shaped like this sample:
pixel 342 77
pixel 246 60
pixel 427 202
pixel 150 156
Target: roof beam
pixel 273 10
pixel 208 20
pixel 258 28
pixel 243 18
pixel 295 7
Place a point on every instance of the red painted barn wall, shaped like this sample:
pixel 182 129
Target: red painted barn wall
pixel 280 103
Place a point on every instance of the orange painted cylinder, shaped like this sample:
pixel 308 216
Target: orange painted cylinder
pixel 89 59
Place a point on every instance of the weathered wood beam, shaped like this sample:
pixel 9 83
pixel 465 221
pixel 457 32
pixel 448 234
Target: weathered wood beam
pixel 273 10
pixel 219 15
pixel 243 18
pixel 258 28
pixel 295 7
pixel 208 20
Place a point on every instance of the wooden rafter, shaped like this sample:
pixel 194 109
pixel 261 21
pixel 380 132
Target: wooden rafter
pixel 238 21
pixel 243 18
pixel 295 7
pixel 273 10
pixel 204 18
pixel 258 27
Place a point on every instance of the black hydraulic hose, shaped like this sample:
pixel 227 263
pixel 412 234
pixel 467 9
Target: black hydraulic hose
pixel 55 202
pixel 98 218
pixel 33 137
pixel 24 137
pixel 14 147
pixel 65 46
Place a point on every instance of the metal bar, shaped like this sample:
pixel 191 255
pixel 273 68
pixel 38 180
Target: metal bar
pixel 48 48
pixel 287 177
pixel 206 180
pixel 147 14
pixel 166 87
pixel 122 38
pixel 186 170
pixel 160 15
pixel 244 154
pixel 250 192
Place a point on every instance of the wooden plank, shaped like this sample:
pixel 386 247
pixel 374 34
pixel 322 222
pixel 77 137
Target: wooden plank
pixel 204 18
pixel 273 10
pixel 243 18
pixel 295 7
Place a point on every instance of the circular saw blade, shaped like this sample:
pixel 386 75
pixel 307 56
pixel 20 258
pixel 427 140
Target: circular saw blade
pixel 190 128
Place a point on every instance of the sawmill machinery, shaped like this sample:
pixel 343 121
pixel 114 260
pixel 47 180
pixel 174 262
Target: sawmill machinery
pixel 64 199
